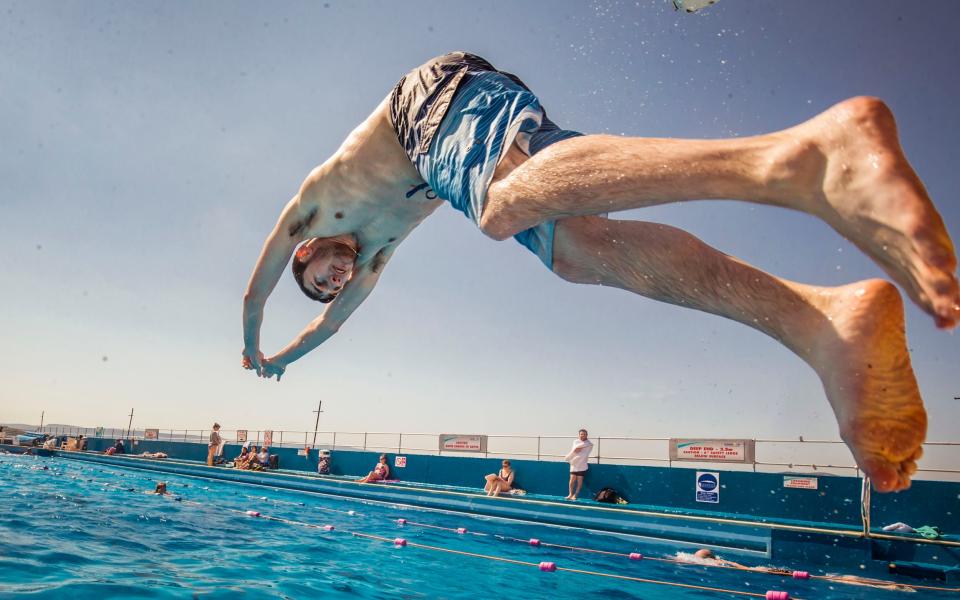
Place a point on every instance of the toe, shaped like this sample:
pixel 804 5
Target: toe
pixel 882 474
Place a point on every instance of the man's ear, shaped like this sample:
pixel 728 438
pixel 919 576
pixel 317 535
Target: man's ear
pixel 305 251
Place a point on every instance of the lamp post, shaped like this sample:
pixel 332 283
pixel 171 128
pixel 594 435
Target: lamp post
pixel 316 425
pixel 130 423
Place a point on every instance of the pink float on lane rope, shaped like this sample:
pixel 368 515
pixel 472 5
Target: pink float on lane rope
pixel 401 521
pixel 461 529
pixel 636 556
pixel 400 542
pixel 777 595
pixel 548 567
pixel 534 542
pixel 252 513
pixel 801 575
pixel 328 527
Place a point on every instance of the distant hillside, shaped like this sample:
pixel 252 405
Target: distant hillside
pixel 25 427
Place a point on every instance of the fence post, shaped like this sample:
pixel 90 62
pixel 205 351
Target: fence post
pixel 598 449
pixel 538 448
pixel 364 441
pixel 334 444
pixel 400 444
pixel 865 506
pixel 281 438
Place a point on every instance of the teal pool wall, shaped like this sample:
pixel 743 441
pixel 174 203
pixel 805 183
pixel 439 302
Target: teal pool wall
pixel 756 496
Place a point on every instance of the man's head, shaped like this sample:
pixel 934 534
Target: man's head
pixel 582 434
pixel 705 553
pixel 216 426
pixel 322 266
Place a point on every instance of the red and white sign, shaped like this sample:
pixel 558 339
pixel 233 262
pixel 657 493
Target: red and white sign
pixel 241 435
pixel 151 434
pixel 268 438
pixel 739 451
pixel 454 442
pixel 800 483
pixel 400 461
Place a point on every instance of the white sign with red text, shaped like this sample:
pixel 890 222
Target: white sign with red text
pixel 700 450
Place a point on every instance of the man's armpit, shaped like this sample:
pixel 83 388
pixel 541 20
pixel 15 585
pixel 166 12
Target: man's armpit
pixel 379 261
pixel 302 224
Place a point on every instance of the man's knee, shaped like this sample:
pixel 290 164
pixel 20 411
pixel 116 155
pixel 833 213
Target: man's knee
pixel 499 219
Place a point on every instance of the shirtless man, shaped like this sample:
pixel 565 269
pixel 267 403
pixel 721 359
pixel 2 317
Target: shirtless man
pixel 457 129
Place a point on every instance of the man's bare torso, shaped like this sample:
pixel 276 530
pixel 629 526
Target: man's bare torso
pixel 366 189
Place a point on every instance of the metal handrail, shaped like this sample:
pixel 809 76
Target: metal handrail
pixel 525 446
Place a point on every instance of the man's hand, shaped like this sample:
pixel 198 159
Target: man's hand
pixel 273 366
pixel 253 360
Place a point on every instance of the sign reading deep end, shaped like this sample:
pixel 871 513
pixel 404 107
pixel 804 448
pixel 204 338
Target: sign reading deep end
pixel 455 442
pixel 738 451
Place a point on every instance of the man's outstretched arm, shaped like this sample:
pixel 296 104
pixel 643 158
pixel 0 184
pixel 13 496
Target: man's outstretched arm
pixel 320 329
pixel 277 250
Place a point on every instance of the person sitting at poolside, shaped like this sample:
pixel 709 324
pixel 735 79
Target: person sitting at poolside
pixel 263 457
pixel 379 472
pixel 120 449
pixel 254 463
pixel 241 461
pixel 501 481
pixel 50 444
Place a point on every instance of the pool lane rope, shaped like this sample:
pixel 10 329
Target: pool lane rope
pixel 537 543
pixel 551 567
pixel 542 566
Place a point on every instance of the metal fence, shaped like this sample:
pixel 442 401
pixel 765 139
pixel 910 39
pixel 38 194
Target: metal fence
pixel 941 459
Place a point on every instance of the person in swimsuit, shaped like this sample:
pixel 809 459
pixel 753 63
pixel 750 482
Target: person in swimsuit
pixel 502 481
pixel 380 472
pixel 457 129
pixel 705 556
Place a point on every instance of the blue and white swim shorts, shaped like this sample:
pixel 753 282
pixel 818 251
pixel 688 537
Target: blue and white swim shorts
pixel 456 116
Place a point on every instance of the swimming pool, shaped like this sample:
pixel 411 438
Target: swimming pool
pixel 86 529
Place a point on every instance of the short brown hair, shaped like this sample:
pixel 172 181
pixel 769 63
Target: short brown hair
pixel 301 258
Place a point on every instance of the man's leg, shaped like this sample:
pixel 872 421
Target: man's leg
pixel 844 166
pixel 210 452
pixel 577 486
pixel 852 336
pixel 573 481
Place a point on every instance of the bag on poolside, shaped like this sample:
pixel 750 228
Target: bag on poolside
pixel 609 496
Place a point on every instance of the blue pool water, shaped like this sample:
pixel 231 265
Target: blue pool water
pixel 76 530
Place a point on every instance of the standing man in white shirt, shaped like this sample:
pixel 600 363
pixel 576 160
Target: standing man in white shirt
pixel 577 457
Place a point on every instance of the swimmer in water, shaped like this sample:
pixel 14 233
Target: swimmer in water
pixel 705 556
pixel 161 488
pixel 513 172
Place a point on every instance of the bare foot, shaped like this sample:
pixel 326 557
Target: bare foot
pixel 867 191
pixel 864 365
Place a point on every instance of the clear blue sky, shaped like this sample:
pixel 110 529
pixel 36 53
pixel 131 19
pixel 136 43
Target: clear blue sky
pixel 148 147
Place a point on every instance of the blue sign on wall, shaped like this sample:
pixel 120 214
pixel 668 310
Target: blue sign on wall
pixel 708 487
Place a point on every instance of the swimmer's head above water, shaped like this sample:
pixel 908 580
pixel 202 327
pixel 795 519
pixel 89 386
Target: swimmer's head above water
pixel 322 266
